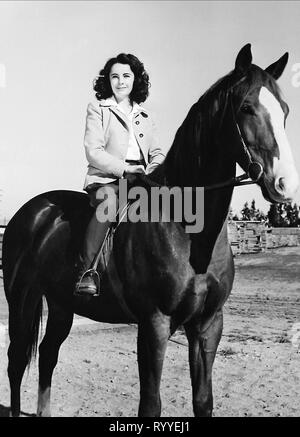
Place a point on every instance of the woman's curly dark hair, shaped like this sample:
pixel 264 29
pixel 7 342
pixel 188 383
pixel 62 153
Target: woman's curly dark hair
pixel 141 84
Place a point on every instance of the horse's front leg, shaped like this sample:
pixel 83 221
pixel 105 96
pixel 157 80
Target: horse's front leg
pixel 202 352
pixel 153 334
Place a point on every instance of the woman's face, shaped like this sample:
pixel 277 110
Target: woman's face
pixel 121 80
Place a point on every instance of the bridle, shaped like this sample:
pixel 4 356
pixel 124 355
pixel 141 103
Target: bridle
pixel 254 171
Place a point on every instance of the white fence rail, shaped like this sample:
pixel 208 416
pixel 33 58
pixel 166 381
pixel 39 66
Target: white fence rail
pixel 251 237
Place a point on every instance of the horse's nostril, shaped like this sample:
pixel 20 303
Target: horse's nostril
pixel 280 186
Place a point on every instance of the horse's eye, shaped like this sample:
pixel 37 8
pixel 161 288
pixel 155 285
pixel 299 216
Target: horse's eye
pixel 247 109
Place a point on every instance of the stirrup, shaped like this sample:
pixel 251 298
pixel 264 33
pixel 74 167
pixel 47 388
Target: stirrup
pixel 96 278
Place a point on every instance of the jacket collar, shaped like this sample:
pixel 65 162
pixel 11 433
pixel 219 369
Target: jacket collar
pixel 113 104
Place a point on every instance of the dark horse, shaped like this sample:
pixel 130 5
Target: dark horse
pixel 158 276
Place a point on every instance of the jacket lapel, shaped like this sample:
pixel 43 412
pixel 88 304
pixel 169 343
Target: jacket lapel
pixel 121 117
pixel 140 112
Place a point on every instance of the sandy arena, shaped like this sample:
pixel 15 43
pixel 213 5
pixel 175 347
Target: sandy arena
pixel 256 371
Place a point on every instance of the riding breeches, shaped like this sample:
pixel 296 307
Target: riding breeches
pixel 98 227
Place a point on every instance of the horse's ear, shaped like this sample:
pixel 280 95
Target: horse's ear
pixel 276 69
pixel 243 59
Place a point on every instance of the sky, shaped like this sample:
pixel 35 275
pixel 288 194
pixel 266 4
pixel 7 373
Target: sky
pixel 50 52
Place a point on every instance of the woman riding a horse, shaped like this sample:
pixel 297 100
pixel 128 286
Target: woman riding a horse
pixel 120 140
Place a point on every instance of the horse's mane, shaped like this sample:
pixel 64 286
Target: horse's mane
pixel 201 128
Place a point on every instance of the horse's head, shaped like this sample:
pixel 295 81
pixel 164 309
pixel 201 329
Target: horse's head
pixel 259 114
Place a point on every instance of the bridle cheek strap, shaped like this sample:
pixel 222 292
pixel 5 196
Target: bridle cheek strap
pixel 254 169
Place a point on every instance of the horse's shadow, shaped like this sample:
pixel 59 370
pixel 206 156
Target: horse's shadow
pixel 4 412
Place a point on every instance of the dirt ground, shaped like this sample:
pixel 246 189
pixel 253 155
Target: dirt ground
pixel 256 371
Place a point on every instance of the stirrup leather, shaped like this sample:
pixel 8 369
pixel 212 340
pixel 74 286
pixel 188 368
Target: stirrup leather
pixel 93 268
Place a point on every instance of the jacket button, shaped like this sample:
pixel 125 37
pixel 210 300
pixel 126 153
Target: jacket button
pixel 137 122
pixel 141 135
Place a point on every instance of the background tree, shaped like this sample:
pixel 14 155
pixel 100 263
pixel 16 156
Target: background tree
pixel 273 215
pixel 288 214
pixel 246 212
pixel 282 215
pixel 295 215
pixel 253 210
pixel 256 214
pixel 277 215
pixel 292 215
pixel 252 213
pixel 232 215
pixel 260 216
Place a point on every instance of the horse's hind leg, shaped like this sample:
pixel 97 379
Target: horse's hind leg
pixel 202 352
pixel 152 343
pixel 59 324
pixel 23 331
pixel 18 359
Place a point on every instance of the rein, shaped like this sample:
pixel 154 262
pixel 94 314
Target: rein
pixel 233 182
pixel 237 181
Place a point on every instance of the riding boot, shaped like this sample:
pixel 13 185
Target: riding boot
pixel 86 283
pixel 88 278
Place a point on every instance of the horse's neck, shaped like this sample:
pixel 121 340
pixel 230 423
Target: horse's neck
pixel 216 167
pixel 216 208
pixel 220 168
pixel 201 156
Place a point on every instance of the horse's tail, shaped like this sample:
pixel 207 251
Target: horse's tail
pixel 23 294
pixel 25 319
pixel 33 338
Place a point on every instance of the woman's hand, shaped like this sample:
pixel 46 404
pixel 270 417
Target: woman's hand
pixel 134 169
pixel 131 171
